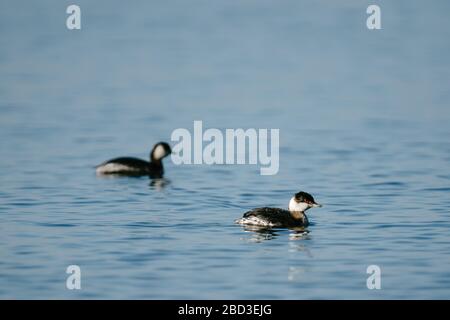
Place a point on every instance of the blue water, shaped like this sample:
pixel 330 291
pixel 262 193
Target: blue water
pixel 363 118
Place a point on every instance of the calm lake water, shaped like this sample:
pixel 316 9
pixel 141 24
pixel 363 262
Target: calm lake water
pixel 364 127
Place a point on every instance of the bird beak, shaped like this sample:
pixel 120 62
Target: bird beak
pixel 316 205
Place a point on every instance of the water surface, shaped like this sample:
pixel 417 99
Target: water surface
pixel 363 118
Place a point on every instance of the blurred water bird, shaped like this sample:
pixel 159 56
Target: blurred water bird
pixel 136 167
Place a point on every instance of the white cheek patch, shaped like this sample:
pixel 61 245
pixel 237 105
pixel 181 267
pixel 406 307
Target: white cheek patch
pixel 159 152
pixel 296 206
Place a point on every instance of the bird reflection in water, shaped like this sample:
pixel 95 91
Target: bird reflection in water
pixel 159 184
pixel 260 234
pixel 299 234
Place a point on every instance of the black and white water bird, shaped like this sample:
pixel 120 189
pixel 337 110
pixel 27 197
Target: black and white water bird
pixel 274 217
pixel 136 167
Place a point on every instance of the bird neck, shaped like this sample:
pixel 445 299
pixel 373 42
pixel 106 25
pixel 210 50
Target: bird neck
pixel 156 162
pixel 297 214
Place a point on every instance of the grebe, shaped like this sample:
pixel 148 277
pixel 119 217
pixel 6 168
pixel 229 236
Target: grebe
pixel 275 217
pixel 137 167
